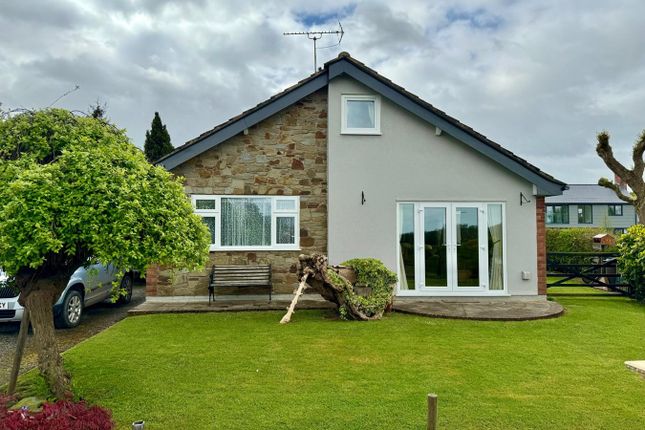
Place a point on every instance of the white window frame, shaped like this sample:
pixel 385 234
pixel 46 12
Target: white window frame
pixel 450 290
pixel 343 114
pixel 275 213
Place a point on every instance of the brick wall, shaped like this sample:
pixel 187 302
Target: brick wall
pixel 283 155
pixel 541 244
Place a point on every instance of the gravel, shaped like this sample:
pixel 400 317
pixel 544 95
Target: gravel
pixel 94 320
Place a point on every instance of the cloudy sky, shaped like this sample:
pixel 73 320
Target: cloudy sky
pixel 539 77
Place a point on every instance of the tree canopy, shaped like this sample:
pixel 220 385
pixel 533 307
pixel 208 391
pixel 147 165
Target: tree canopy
pixel 157 142
pixel 76 187
pixel 74 190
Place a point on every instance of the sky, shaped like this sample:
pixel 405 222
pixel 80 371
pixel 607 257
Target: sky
pixel 541 78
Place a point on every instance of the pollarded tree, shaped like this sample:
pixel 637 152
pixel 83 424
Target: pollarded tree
pixel 74 191
pixel 157 142
pixel 632 177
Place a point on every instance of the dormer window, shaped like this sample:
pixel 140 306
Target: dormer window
pixel 361 114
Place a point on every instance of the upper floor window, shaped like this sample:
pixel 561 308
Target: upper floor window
pixel 615 210
pixel 557 214
pixel 360 114
pixel 250 222
pixel 585 214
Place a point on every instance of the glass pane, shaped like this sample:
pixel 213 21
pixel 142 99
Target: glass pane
pixel 246 221
pixel 204 204
pixel 406 246
pixel 584 214
pixel 285 205
pixel 210 223
pixel 434 254
pixel 467 247
pixel 495 248
pixel 360 114
pixel 286 230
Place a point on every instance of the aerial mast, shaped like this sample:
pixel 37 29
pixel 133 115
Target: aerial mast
pixel 315 36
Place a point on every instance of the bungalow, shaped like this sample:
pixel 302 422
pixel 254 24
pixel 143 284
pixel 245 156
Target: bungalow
pixel 349 164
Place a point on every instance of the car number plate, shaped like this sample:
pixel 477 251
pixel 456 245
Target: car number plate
pixel 4 305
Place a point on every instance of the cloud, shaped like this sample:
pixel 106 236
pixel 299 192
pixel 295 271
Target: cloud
pixel 539 77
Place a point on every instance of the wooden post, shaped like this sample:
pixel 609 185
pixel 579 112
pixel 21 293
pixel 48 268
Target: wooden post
pixel 20 348
pixel 432 412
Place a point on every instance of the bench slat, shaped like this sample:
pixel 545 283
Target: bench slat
pixel 239 276
pixel 241 281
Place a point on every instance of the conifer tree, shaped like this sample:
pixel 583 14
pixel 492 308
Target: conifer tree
pixel 157 140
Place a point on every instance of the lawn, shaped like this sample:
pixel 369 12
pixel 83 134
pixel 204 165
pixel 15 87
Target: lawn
pixel 246 371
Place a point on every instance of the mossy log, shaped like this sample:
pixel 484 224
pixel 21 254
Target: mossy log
pixel 335 284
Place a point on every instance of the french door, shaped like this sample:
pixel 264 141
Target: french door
pixel 448 248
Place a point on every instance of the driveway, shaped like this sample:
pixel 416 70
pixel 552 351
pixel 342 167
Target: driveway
pixel 95 319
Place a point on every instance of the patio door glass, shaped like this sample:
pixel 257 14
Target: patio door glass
pixel 450 248
pixel 467 251
pixel 435 247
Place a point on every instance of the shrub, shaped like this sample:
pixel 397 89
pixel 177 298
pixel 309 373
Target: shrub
pixel 62 415
pixel 631 263
pixel 371 273
pixel 572 239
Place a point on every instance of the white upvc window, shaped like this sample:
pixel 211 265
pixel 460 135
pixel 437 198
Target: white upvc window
pixel 250 223
pixel 360 114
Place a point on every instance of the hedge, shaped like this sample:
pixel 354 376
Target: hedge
pixel 579 239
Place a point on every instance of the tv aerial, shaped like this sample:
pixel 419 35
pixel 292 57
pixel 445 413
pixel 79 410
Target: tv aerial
pixel 315 36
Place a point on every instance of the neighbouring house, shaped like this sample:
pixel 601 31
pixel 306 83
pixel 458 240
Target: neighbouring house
pixel 349 164
pixel 590 205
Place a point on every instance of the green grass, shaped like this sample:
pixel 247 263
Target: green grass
pixel 246 371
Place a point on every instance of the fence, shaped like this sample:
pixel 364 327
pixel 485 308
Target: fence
pixel 588 269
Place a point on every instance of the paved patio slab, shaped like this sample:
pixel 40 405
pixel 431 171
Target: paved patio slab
pixel 491 310
pixel 636 366
pixel 156 307
pixel 485 310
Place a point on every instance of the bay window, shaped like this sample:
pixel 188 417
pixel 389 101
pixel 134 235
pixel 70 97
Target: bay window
pixel 250 222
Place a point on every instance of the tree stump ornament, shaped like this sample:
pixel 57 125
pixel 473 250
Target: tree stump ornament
pixel 336 284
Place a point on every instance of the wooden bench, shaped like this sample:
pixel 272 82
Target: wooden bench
pixel 239 276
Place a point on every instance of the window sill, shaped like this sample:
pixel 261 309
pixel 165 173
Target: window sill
pixel 214 248
pixel 361 132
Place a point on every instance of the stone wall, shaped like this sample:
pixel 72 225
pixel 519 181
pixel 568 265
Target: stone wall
pixel 283 155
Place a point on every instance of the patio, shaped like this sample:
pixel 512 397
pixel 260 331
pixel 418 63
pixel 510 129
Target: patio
pixel 457 308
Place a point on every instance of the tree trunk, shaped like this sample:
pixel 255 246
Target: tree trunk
pixel 640 210
pixel 39 301
pixel 316 266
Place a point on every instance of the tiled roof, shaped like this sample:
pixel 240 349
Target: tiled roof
pixel 586 193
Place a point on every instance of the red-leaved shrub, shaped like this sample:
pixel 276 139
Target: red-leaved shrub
pixel 62 415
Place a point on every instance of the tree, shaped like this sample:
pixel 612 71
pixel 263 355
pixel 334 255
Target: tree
pixel 157 140
pixel 632 177
pixel 98 110
pixel 75 191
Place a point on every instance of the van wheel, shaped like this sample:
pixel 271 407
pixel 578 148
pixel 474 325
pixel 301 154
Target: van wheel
pixel 70 315
pixel 126 284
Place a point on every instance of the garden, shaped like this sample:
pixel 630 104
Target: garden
pixel 244 370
